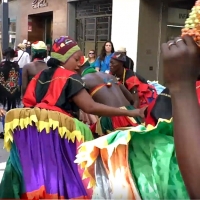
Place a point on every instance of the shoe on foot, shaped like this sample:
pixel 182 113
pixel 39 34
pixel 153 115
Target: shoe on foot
pixel 1 135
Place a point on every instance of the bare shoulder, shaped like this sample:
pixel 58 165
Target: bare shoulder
pixel 111 76
pixel 28 65
pixel 108 77
pixel 98 77
pixel 90 76
pixel 91 80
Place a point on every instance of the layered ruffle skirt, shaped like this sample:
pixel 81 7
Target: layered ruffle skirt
pixel 137 163
pixel 43 145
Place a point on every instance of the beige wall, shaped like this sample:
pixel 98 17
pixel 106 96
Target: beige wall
pixel 59 8
pixel 141 28
pixel 152 33
pixel 125 26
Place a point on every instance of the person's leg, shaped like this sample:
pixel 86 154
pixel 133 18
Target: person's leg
pixel 4 103
pixel 20 82
pixel 2 121
pixel 9 104
pixel 14 104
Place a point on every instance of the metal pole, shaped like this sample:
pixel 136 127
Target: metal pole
pixel 4 24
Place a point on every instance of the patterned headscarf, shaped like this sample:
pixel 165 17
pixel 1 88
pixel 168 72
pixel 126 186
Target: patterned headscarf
pixel 38 47
pixel 119 56
pixel 63 48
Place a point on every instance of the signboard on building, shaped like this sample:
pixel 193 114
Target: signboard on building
pixel 177 16
pixel 39 3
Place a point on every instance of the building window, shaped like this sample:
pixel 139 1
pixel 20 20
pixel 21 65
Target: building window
pixel 93 23
pixel 12 33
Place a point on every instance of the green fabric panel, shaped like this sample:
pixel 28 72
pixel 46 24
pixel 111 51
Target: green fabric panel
pixel 15 160
pixel 116 138
pixel 137 119
pixel 106 124
pixel 88 70
pixel 154 166
pixel 67 55
pixel 84 129
pixel 35 51
pixel 12 185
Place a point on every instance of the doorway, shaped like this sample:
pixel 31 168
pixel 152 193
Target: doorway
pixel 93 24
pixel 40 27
pixel 92 32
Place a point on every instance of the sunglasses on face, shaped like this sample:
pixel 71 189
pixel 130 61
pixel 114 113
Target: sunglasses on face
pixel 91 53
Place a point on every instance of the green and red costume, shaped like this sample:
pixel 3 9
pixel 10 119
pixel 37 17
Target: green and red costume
pixel 67 84
pixel 161 107
pixel 147 93
pixel 43 138
pixel 106 125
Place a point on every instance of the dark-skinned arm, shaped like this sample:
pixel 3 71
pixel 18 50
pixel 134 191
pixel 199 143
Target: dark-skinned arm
pixel 84 101
pixel 186 117
pixel 24 79
pixel 135 97
pixel 180 70
pixel 127 94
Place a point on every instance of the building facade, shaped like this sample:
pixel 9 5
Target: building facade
pixel 139 25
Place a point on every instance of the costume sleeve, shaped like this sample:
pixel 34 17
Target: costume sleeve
pixel 74 86
pixel 29 98
pixel 163 106
pixel 131 80
pixel 97 63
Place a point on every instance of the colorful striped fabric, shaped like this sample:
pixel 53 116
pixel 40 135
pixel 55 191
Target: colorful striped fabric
pixel 137 163
pixel 43 145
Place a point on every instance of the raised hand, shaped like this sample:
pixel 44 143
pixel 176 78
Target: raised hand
pixel 181 62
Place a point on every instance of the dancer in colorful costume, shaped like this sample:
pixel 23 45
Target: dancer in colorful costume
pixel 143 93
pixel 104 88
pixel 43 137
pixel 84 117
pixel 141 162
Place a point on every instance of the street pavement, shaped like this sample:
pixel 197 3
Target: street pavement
pixel 3 155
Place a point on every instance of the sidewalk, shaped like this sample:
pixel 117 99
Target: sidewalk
pixel 3 153
pixel 3 156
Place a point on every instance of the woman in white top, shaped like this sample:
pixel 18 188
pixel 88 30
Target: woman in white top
pixel 23 59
